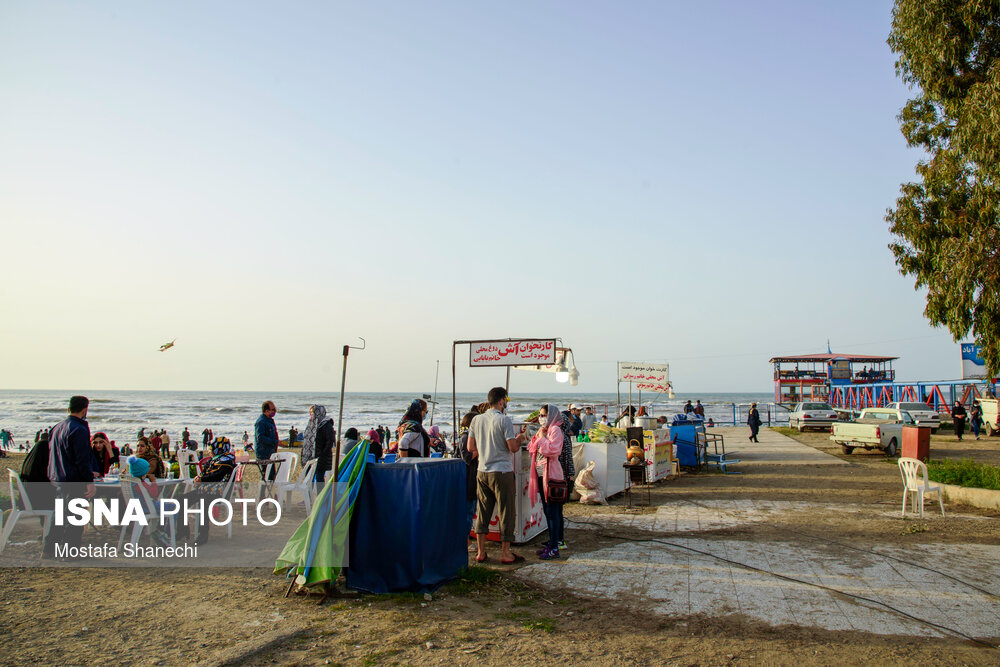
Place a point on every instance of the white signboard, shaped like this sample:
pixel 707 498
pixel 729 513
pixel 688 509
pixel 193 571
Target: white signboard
pixel 973 366
pixel 547 368
pixel 645 377
pixel 512 352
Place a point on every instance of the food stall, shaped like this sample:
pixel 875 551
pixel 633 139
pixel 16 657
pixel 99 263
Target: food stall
pixel 540 354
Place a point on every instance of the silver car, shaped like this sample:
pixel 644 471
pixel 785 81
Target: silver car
pixel 812 415
pixel 922 413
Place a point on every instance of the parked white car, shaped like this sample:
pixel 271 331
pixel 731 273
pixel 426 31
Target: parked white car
pixel 922 413
pixel 812 415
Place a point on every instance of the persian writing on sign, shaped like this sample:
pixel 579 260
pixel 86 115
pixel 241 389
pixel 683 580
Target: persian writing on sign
pixel 512 352
pixel 645 377
pixel 547 368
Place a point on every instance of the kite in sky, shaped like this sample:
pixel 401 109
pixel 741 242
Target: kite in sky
pixel 167 346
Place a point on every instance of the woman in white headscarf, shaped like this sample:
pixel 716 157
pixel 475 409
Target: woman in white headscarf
pixel 318 442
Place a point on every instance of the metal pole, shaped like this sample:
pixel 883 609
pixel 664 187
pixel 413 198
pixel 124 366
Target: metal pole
pixel 437 369
pixel 618 406
pixel 340 416
pixel 506 385
pixel 454 402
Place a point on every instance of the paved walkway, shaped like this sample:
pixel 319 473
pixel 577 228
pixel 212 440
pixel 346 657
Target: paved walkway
pixel 773 448
pixel 801 581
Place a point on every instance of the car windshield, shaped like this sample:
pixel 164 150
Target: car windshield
pixel 914 406
pixel 906 417
pixel 815 406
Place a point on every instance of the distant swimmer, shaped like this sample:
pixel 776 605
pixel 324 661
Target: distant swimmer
pixel 167 346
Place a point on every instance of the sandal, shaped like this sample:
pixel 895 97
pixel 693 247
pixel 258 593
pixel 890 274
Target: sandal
pixel 484 559
pixel 517 559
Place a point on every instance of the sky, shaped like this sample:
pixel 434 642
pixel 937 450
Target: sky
pixel 699 184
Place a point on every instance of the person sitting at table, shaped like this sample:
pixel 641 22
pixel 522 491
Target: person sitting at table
pixel 437 443
pixel 102 453
pixel 376 444
pixel 351 438
pixel 219 468
pixel 413 439
pixel 207 486
pixel 145 451
pixel 139 468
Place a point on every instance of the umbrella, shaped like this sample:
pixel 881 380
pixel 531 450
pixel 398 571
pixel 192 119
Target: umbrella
pixel 317 549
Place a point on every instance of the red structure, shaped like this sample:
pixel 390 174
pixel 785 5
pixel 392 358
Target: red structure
pixel 812 377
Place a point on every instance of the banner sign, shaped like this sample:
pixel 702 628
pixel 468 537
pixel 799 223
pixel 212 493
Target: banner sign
pixel 547 368
pixel 523 352
pixel 645 377
pixel 973 366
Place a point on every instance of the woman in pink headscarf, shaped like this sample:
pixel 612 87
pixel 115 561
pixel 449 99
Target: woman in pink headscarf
pixel 552 452
pixel 376 444
pixel 437 442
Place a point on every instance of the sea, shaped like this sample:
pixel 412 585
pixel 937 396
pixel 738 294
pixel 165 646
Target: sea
pixel 120 414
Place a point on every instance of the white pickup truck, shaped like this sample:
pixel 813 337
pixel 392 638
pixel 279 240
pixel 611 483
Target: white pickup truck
pixel 991 415
pixel 875 428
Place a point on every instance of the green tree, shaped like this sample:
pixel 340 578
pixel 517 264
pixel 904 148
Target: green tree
pixel 947 225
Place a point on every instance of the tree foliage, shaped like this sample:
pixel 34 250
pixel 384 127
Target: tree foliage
pixel 947 225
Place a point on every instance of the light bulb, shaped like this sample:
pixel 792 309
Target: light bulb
pixel 562 376
pixel 574 376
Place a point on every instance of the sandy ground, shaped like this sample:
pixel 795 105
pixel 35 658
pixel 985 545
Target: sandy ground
pixel 240 617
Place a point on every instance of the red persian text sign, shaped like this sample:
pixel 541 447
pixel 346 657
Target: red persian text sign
pixel 512 352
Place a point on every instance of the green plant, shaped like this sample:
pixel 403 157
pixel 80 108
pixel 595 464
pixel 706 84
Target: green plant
pixel 914 528
pixel 964 473
pixel 543 624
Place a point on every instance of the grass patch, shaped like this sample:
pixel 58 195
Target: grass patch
pixel 964 473
pixel 475 578
pixel 377 657
pixel 543 624
pixel 914 528
pixel 784 430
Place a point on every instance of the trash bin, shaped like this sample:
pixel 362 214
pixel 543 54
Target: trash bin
pixel 916 442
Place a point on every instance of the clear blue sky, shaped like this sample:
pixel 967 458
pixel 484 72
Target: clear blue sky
pixel 698 183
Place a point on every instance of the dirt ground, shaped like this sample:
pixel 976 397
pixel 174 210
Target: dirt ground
pixel 233 617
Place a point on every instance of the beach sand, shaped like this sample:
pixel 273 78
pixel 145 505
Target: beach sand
pixel 240 617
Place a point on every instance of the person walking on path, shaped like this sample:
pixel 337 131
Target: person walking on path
pixel 493 439
pixel 976 419
pixel 265 434
pixel 317 442
pixel 753 421
pixel 959 415
pixel 71 464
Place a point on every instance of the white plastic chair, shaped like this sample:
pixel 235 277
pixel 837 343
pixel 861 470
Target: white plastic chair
pixel 304 485
pixel 185 459
pixel 16 514
pixel 917 485
pixel 128 488
pixel 285 470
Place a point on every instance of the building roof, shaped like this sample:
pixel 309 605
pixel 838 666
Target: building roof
pixel 831 356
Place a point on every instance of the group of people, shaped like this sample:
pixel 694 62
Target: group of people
pixel 487 444
pixel 959 415
pixel 67 459
pixel 698 409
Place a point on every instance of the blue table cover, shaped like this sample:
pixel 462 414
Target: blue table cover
pixel 409 530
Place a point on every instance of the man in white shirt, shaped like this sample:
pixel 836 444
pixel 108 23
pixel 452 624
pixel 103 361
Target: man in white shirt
pixel 588 419
pixel 493 439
